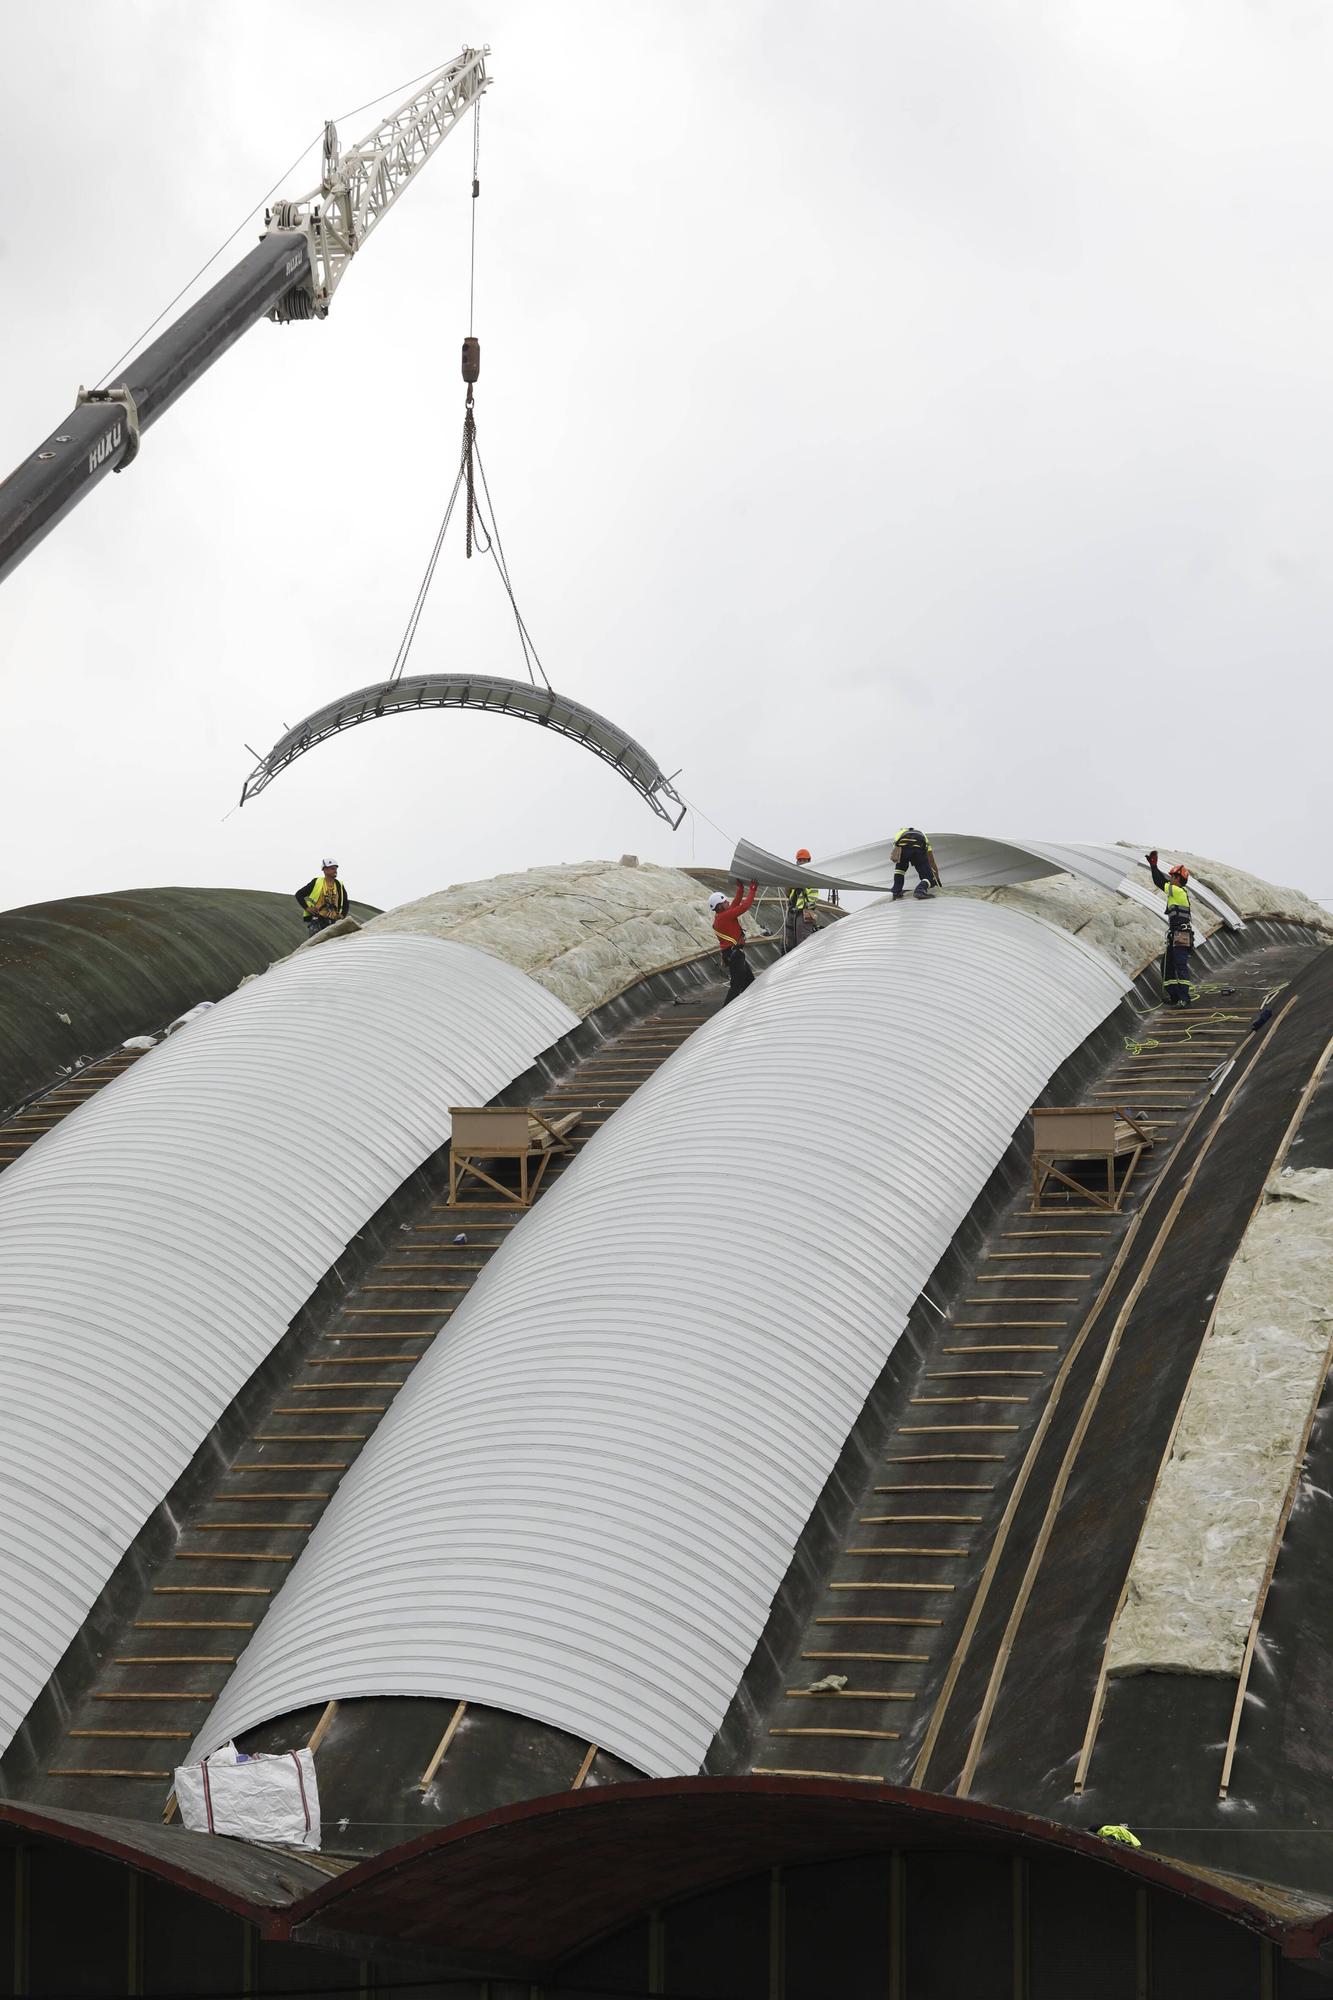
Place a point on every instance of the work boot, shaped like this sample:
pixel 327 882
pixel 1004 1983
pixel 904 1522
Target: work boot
pixel 921 892
pixel 896 894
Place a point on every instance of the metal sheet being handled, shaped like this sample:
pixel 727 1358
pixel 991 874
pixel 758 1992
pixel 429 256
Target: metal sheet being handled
pixel 969 861
pixel 493 695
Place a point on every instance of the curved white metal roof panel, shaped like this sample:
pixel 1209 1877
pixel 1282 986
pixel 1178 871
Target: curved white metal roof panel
pixel 583 1502
pixel 973 861
pixel 156 1245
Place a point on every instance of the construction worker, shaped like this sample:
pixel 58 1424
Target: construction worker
pixel 731 938
pixel 799 919
pixel 911 849
pixel 1179 932
pixel 323 899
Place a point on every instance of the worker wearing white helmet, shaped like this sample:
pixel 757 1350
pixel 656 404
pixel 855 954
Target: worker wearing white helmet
pixel 731 937
pixel 323 899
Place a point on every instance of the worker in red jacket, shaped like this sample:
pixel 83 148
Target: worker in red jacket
pixel 731 938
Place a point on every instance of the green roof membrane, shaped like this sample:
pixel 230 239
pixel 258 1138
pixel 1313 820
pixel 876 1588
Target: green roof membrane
pixel 79 975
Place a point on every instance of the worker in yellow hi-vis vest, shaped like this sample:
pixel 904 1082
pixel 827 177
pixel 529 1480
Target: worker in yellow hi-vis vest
pixel 323 899
pixel 1176 988
pixel 799 920
pixel 912 849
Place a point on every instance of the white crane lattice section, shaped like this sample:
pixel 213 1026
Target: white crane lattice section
pixel 361 185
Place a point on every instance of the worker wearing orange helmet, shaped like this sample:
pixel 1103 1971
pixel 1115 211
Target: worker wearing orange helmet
pixel 1179 932
pixel 799 920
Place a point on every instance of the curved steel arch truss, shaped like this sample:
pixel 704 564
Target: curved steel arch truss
pixel 493 695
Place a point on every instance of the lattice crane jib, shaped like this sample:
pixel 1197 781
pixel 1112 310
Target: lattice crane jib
pixel 290 274
pixel 359 185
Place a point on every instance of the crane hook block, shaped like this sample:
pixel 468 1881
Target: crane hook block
pixel 471 359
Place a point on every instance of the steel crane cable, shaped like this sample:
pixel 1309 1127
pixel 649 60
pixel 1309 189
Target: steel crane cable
pixel 476 190
pixel 495 549
pixel 357 109
pixel 134 345
pixel 488 543
pixel 414 619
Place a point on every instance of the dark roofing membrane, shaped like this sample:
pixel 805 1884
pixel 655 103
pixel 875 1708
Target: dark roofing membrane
pixel 79 975
pixel 1157 1759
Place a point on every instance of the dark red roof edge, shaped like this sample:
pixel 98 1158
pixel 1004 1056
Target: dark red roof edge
pixel 1302 1938
pixel 1299 1939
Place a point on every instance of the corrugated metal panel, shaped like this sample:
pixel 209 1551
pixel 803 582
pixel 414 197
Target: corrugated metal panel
pixel 583 1502
pixel 964 858
pixel 156 1245
pixel 1116 858
pixel 970 861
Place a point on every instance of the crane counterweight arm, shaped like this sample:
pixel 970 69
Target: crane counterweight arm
pixel 291 274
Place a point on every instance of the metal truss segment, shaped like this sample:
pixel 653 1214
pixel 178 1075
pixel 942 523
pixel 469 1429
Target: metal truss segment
pixel 491 694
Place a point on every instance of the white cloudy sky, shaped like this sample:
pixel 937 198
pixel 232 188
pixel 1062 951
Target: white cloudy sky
pixel 895 411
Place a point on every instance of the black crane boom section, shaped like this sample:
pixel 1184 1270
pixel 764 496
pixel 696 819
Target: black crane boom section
pixel 98 437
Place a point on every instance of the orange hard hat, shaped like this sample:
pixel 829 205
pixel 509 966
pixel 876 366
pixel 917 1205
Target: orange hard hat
pixel 1180 873
pixel 803 854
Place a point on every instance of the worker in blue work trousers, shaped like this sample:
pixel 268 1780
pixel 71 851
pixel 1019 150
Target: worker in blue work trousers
pixel 798 920
pixel 911 849
pixel 1179 932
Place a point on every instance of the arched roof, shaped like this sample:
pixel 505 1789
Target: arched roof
pixel 154 1247
pixel 582 1504
pixel 79 975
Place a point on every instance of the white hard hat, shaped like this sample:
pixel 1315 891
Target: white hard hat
pixel 328 864
pixel 717 901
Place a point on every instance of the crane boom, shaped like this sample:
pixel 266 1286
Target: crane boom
pixel 290 274
pixel 361 185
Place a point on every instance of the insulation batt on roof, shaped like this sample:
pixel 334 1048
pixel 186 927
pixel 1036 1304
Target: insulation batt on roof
pixel 583 929
pixel 1196 1574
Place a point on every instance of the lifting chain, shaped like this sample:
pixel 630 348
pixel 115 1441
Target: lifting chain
pixel 469 454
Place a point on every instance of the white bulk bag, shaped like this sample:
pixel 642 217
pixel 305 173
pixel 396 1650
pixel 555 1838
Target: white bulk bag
pixel 252 1798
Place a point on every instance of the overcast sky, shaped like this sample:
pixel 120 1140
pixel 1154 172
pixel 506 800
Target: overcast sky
pixel 894 411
